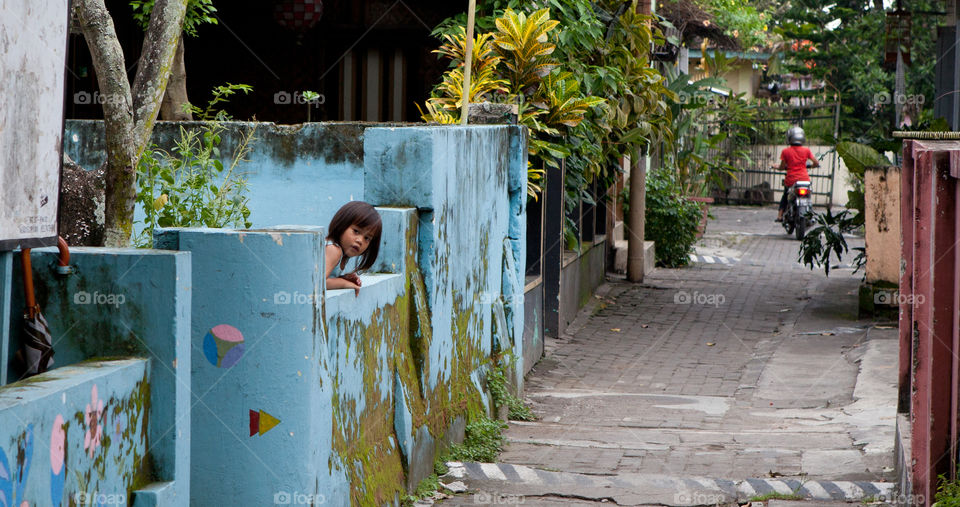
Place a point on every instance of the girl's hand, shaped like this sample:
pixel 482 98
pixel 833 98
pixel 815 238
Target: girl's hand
pixel 343 283
pixel 352 277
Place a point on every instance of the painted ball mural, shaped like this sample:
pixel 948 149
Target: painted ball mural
pixel 223 346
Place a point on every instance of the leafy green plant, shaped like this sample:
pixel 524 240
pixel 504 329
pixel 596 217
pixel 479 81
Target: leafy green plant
pixel 220 94
pixel 948 492
pixel 445 104
pixel 497 385
pixel 513 65
pixel 671 219
pixel 524 45
pixel 190 186
pixel 559 68
pixel 711 132
pixel 827 237
pixel 311 98
pixel 483 442
pixel 198 13
pixel 775 496
pixel 426 489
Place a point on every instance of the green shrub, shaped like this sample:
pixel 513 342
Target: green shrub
pixel 948 493
pixel 482 442
pixel 671 220
pixel 497 385
pixel 190 186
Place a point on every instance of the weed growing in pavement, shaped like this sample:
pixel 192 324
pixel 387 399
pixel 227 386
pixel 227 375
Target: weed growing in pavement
pixel 426 489
pixel 483 439
pixel 429 486
pixel 497 384
pixel 482 443
pixel 776 496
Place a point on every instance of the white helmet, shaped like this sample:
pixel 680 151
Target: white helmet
pixel 795 136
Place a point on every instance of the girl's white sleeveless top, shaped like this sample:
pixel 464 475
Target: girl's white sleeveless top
pixel 349 268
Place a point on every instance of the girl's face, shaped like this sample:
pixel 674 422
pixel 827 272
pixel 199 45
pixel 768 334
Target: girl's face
pixel 355 240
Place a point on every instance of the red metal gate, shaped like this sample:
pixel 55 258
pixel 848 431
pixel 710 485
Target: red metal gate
pixel 929 302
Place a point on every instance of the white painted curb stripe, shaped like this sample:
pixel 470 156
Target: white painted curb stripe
pixel 816 490
pixel 492 471
pixel 527 474
pixel 747 490
pixel 708 483
pixel 780 487
pixel 850 490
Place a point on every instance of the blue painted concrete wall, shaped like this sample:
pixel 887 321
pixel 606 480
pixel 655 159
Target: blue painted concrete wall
pixel 76 435
pixel 296 174
pixel 301 392
pixel 261 418
pixel 118 302
pixel 469 184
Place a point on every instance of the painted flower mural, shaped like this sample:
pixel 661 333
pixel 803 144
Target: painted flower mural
pixel 93 419
pixel 58 439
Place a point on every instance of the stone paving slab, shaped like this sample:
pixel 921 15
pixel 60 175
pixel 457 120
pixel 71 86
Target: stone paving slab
pixel 733 371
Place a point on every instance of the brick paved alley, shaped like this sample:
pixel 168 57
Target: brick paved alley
pixel 746 373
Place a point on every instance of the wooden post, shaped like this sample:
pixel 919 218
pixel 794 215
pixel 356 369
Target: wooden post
pixel 636 223
pixel 467 61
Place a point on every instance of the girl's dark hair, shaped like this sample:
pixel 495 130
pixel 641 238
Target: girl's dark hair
pixel 363 216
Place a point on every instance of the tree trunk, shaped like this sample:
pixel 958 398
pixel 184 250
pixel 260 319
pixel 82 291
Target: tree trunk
pixel 176 96
pixel 636 222
pixel 128 114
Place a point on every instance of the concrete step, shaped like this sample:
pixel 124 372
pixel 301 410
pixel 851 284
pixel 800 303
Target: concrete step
pixel 501 480
pixel 620 256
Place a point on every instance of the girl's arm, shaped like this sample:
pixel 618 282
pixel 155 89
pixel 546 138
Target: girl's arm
pixel 333 255
pixel 342 283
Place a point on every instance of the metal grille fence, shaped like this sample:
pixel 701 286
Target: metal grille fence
pixel 758 179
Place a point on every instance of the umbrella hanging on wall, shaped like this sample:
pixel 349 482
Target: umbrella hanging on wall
pixel 36 352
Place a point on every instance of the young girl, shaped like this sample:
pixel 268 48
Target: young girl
pixel 353 232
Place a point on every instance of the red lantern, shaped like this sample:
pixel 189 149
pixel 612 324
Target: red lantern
pixel 897 37
pixel 298 15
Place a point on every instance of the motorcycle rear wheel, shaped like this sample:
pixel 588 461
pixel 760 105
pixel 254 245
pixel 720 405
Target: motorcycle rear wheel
pixel 801 228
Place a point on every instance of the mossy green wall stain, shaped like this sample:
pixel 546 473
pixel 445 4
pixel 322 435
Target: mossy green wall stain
pixel 363 437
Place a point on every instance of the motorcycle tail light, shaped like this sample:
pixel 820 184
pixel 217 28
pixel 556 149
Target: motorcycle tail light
pixel 803 192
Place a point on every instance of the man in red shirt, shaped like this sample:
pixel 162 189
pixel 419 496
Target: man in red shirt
pixel 793 160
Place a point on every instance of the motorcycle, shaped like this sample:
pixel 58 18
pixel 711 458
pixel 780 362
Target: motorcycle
pixel 799 204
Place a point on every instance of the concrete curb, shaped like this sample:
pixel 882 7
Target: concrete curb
pixel 506 479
